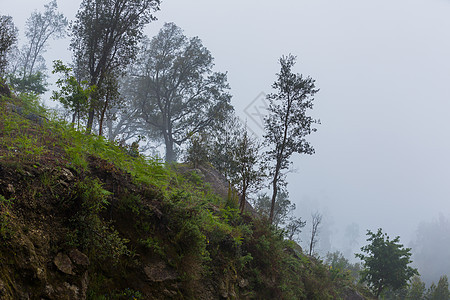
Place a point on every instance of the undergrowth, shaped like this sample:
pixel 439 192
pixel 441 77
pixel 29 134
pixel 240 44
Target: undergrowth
pixel 174 218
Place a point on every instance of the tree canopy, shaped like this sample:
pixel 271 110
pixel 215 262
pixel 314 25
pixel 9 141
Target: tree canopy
pixel 8 36
pixel 288 124
pixel 386 263
pixel 105 36
pixel 177 91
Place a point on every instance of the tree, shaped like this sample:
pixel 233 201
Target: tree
pixel 431 244
pixel 316 221
pixel 385 263
pixel 197 152
pixel 287 124
pixel 439 292
pixel 28 73
pixel 416 289
pixel 248 174
pixel 73 95
pixel 222 141
pixel 122 121
pixel 294 228
pixel 104 41
pixel 282 210
pixel 178 93
pixel 340 265
pixel 8 36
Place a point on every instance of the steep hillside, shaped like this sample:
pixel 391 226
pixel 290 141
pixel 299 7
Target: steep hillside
pixel 82 218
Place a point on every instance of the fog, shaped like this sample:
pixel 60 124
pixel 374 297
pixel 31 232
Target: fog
pixel 383 69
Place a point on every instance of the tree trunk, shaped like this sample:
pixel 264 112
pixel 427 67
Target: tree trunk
pixel 243 197
pixel 90 120
pixel 102 118
pixel 275 190
pixel 170 153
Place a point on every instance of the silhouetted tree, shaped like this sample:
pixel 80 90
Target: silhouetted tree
pixel 287 124
pixel 316 220
pixel 105 35
pixel 8 36
pixel 282 211
pixel 294 228
pixel 385 263
pixel 416 289
pixel 178 93
pixel 28 72
pixel 198 150
pixel 73 95
pixel 439 291
pixel 340 265
pixel 431 248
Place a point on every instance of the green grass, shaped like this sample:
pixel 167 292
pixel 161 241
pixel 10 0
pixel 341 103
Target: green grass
pixel 176 218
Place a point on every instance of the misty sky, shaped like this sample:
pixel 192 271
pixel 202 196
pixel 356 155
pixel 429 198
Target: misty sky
pixel 383 67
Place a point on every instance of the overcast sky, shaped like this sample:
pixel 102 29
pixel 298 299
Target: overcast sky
pixel 383 69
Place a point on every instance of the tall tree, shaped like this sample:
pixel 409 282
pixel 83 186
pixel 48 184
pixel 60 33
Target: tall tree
pixel 283 207
pixel 287 124
pixel 386 263
pixel 316 219
pixel 441 291
pixel 249 173
pixel 416 289
pixel 27 74
pixel 8 36
pixel 179 94
pixel 73 95
pixel 105 35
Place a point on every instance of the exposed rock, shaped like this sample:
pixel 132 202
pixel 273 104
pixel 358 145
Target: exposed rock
pixel 49 291
pixel 4 89
pixel 84 285
pixel 159 272
pixel 78 257
pixel 14 108
pixel 63 263
pixel 65 291
pixel 2 288
pixel 66 175
pixel 36 118
pixel 243 283
pixel 72 291
pixel 10 188
pixel 170 293
pixel 350 294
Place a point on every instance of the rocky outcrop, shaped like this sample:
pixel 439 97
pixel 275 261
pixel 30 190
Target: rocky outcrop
pixel 4 89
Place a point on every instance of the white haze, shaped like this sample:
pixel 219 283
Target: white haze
pixel 383 67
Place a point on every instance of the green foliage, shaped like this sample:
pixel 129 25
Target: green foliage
pixel 288 124
pixel 154 245
pixel 341 268
pixel 168 217
pixel 283 208
pixel 19 132
pixel 5 218
pixel 439 291
pixel 416 289
pixel 385 264
pixel 197 152
pixel 89 230
pixel 8 36
pixel 104 42
pixel 232 198
pixel 198 96
pixel 73 94
pixel 279 270
pixel 33 83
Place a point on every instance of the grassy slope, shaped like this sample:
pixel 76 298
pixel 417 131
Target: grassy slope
pixel 149 232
